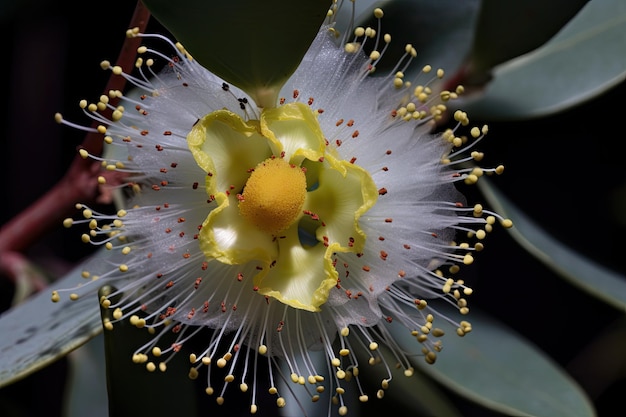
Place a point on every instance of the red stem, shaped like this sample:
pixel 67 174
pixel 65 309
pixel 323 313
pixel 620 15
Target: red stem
pixel 79 184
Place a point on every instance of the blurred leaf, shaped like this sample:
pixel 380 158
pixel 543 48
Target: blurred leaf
pixel 255 45
pixel 416 395
pixel 585 59
pixel 131 387
pixel 441 31
pixel 498 369
pixel 571 265
pixel 87 393
pixel 591 367
pixel 359 11
pixel 38 331
pixel 509 29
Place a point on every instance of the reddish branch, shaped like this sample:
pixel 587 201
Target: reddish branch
pixel 79 184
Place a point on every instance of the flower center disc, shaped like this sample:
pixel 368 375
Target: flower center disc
pixel 274 195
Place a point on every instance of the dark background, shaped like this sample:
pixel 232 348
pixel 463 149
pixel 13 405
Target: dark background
pixel 566 171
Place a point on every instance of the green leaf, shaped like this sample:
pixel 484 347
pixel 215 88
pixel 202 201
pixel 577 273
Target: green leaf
pixel 498 369
pixel 37 332
pixel 506 30
pixel 585 59
pixel 569 264
pixel 255 45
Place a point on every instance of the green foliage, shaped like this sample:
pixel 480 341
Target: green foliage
pixel 523 60
pixel 255 45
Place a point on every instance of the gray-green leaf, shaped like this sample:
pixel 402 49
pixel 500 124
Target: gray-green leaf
pixel 585 59
pixel 498 369
pixel 37 332
pixel 569 264
pixel 506 30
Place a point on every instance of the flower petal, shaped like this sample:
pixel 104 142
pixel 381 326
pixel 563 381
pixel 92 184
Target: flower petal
pixel 301 277
pixel 343 195
pixel 229 238
pixel 294 130
pixel 226 147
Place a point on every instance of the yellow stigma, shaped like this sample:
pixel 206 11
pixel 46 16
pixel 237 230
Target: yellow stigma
pixel 274 195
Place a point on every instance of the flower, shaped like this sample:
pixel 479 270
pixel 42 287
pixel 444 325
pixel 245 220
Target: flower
pixel 305 226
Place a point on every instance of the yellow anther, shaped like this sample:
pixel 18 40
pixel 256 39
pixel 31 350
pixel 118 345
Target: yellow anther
pixel 116 115
pixel 350 47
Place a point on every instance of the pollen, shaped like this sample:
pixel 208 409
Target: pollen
pixel 274 195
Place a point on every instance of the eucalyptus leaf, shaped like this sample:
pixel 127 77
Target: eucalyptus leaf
pixel 506 30
pixel 37 332
pixel 569 264
pixel 416 395
pixel 255 45
pixel 498 369
pixel 86 392
pixel 583 60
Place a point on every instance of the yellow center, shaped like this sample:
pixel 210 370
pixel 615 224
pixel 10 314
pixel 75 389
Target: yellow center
pixel 274 195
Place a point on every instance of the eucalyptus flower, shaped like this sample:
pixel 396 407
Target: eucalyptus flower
pixel 309 224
